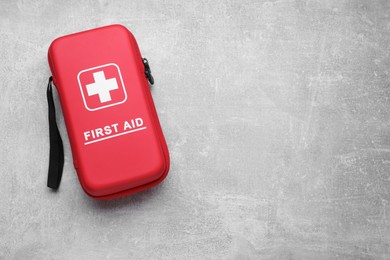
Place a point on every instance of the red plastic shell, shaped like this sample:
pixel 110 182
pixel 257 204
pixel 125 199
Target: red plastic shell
pixel 117 143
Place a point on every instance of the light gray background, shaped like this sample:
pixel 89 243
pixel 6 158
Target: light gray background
pixel 276 115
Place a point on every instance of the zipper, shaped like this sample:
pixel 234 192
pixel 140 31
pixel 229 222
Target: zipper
pixel 148 72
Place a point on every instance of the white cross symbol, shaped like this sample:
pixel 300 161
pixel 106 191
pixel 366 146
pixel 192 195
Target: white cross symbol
pixel 102 86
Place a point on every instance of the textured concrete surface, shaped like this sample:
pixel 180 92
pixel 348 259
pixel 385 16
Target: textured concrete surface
pixel 276 113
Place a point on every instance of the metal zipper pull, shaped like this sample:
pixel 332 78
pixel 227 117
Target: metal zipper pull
pixel 148 72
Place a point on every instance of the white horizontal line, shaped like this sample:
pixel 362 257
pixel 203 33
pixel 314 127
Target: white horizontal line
pixel 112 136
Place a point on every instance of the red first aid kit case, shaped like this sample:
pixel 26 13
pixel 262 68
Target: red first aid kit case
pixel 117 144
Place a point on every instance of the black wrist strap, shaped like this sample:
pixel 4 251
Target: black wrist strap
pixel 56 159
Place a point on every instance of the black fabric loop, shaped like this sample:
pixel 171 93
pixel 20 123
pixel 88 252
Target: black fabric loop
pixel 56 159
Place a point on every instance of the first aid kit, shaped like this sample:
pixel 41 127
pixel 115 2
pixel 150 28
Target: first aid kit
pixel 117 144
